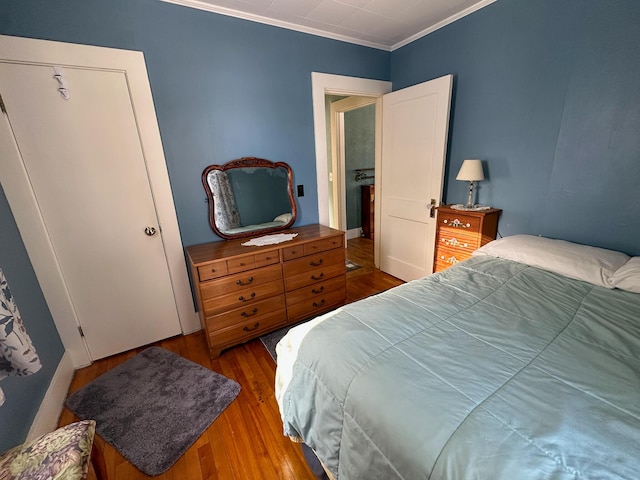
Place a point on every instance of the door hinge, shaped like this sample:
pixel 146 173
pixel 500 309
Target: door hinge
pixel 2 107
pixel 80 331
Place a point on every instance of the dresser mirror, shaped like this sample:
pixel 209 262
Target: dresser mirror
pixel 249 196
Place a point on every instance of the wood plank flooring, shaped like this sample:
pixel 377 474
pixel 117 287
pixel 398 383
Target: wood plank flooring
pixel 245 442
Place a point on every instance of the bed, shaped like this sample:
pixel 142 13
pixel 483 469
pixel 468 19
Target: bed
pixel 520 363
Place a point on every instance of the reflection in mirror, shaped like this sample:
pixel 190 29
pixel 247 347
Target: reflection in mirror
pixel 249 195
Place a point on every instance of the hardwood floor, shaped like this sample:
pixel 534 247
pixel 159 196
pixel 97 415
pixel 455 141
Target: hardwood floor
pixel 245 442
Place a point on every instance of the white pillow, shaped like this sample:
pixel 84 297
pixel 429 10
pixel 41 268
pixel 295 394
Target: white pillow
pixel 582 262
pixel 627 277
pixel 284 218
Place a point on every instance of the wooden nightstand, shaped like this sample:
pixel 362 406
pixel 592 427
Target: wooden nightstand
pixel 460 232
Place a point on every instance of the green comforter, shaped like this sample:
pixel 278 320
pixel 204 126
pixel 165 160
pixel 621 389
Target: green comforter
pixel 489 370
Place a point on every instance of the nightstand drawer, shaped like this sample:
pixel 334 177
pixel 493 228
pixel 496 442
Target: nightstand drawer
pixel 457 240
pixel 460 233
pixel 459 222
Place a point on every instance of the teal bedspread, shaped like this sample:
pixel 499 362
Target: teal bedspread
pixel 489 370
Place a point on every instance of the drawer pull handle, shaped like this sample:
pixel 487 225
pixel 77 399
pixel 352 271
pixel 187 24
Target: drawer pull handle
pixel 316 264
pixel 247 329
pixel 253 312
pixel 319 277
pixel 316 304
pixel 213 270
pixel 241 283
pixel 320 290
pixel 251 297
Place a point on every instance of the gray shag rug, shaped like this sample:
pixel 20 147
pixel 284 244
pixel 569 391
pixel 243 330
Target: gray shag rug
pixel 154 406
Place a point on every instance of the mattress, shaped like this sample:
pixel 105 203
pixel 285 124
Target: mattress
pixel 491 369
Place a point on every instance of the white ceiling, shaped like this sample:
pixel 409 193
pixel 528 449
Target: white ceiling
pixel 383 24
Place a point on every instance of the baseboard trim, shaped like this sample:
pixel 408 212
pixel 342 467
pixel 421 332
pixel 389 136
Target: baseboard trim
pixel 46 419
pixel 353 233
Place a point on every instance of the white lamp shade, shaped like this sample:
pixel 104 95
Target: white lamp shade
pixel 471 171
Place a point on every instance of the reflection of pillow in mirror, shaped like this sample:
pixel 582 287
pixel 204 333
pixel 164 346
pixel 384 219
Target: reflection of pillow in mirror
pixel 627 277
pixel 284 218
pixel 590 264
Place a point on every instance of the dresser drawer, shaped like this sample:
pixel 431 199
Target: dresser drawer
pixel 316 305
pixel 314 269
pixel 246 296
pixel 247 329
pixel 315 290
pixel 238 283
pixel 334 242
pixel 289 253
pixel 310 248
pixel 246 314
pixel 459 222
pixel 241 264
pixel 213 270
pixel 267 258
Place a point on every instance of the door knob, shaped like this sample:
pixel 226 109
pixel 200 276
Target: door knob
pixel 151 231
pixel 431 208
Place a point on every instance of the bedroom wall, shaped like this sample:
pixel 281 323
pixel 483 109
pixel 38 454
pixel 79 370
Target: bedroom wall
pixel 223 88
pixel 547 93
pixel 24 394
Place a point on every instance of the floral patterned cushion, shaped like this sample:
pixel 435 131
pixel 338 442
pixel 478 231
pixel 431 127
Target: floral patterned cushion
pixel 60 455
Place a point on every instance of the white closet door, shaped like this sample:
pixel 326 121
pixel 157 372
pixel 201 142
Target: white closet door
pixel 415 125
pixel 86 166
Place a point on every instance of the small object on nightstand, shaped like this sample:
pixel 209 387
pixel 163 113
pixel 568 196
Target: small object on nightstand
pixel 460 232
pixel 470 171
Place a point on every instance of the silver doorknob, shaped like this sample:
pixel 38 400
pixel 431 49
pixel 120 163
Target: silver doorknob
pixel 151 231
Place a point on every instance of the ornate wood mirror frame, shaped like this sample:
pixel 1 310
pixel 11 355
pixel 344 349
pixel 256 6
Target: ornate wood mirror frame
pixel 249 196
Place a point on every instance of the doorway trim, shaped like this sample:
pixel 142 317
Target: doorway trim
pixel 327 84
pixel 24 205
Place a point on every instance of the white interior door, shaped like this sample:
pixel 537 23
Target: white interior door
pixel 86 165
pixel 414 144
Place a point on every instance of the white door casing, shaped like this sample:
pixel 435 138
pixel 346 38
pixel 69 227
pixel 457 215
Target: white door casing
pixel 123 71
pixel 414 146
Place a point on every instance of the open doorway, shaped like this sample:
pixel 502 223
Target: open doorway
pixel 351 150
pixel 326 84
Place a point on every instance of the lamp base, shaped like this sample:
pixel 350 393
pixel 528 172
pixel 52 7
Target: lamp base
pixel 460 206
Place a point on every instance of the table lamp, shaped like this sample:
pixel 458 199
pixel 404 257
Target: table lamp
pixel 470 171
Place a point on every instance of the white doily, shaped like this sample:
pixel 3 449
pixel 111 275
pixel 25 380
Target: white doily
pixel 270 239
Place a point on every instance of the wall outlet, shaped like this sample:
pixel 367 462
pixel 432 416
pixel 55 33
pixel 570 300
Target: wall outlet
pixel 301 190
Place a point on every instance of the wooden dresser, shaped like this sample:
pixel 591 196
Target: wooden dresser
pixel 368 200
pixel 460 232
pixel 244 292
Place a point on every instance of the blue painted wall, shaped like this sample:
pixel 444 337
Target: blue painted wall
pixel 547 93
pixel 223 88
pixel 24 394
